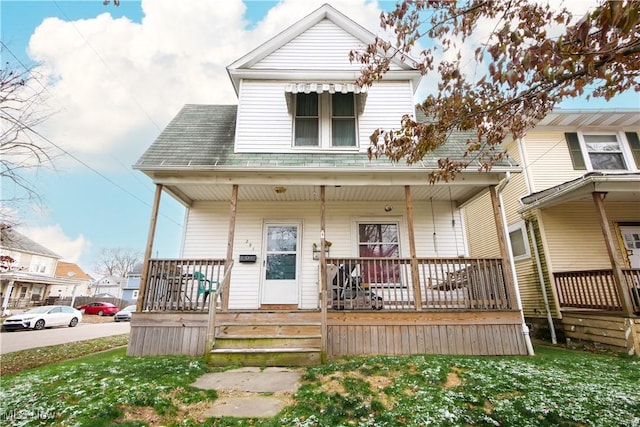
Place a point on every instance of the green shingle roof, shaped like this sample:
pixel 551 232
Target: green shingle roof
pixel 202 137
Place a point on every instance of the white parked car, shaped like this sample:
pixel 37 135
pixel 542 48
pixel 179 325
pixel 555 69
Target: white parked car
pixel 43 317
pixel 124 315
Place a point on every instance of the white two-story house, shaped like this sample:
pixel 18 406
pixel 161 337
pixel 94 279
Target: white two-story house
pixel 312 247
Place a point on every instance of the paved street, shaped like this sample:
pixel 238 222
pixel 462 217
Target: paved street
pixel 22 340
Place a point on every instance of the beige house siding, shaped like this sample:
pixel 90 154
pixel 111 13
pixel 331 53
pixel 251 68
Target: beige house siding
pixel 574 236
pixel 481 228
pixel 548 159
pixel 529 279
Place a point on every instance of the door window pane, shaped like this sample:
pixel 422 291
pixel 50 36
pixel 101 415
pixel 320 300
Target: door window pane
pixel 281 267
pixel 282 242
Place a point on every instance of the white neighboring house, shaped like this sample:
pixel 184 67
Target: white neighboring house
pixel 111 285
pixel 27 273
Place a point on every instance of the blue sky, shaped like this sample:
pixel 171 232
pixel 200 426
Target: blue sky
pixel 115 76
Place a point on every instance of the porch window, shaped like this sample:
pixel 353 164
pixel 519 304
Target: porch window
pixel 602 152
pixel 379 240
pixel 519 241
pixel 325 120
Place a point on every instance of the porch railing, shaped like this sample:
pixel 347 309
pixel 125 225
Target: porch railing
pixel 596 289
pixel 391 283
pixel 182 284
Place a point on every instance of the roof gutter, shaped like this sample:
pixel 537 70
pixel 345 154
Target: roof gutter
pixel 525 329
pixel 546 197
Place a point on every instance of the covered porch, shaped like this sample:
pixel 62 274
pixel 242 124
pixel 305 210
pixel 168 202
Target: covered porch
pixel 598 291
pixel 393 303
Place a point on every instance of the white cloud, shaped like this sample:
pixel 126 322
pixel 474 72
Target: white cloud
pixel 115 84
pixel 54 238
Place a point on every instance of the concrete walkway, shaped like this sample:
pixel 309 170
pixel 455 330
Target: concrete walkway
pixel 250 392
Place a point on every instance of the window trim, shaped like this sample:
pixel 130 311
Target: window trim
pixel 369 221
pixel 625 150
pixel 325 122
pixel 520 226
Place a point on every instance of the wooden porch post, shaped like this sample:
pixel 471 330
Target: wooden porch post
pixel 502 244
pixel 609 241
pixel 415 275
pixel 232 232
pixel 147 252
pixel 323 277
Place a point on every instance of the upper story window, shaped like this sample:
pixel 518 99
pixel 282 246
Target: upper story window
pixel 307 121
pixel 343 120
pixel 40 265
pixel 604 151
pixel 325 120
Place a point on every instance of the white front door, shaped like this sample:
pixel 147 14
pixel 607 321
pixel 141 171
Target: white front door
pixel 631 238
pixel 280 271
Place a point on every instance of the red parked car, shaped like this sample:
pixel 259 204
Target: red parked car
pixel 99 308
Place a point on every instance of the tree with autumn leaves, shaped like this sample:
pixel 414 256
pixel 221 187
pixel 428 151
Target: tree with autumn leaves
pixel 532 58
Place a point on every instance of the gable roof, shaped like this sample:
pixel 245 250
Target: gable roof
pixel 201 138
pixel 12 240
pixel 327 12
pixel 63 269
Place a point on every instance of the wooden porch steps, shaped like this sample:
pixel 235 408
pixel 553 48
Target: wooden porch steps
pixel 267 338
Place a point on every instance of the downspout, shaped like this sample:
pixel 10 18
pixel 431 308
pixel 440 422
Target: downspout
pixel 545 298
pixel 514 276
pixel 532 232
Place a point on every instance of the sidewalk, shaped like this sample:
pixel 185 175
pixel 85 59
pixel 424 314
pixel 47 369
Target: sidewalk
pixel 250 392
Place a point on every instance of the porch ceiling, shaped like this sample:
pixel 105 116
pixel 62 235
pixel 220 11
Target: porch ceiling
pixel 196 192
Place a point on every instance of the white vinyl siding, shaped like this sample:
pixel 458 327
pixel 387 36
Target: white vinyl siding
pixel 207 229
pixel 264 123
pixel 325 46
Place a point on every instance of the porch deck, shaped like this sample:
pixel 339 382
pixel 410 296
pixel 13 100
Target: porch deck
pixel 592 310
pixel 371 306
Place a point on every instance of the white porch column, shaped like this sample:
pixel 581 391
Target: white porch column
pixel 7 295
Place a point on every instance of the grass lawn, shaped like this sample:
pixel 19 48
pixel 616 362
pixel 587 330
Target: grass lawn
pixel 555 388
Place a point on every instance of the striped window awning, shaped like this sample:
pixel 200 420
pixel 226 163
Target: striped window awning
pixel 292 89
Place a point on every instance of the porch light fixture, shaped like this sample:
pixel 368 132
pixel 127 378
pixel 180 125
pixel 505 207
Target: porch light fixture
pixel 280 190
pixel 388 208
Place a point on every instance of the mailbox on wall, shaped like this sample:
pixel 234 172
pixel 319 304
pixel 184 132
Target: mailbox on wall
pixel 248 258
